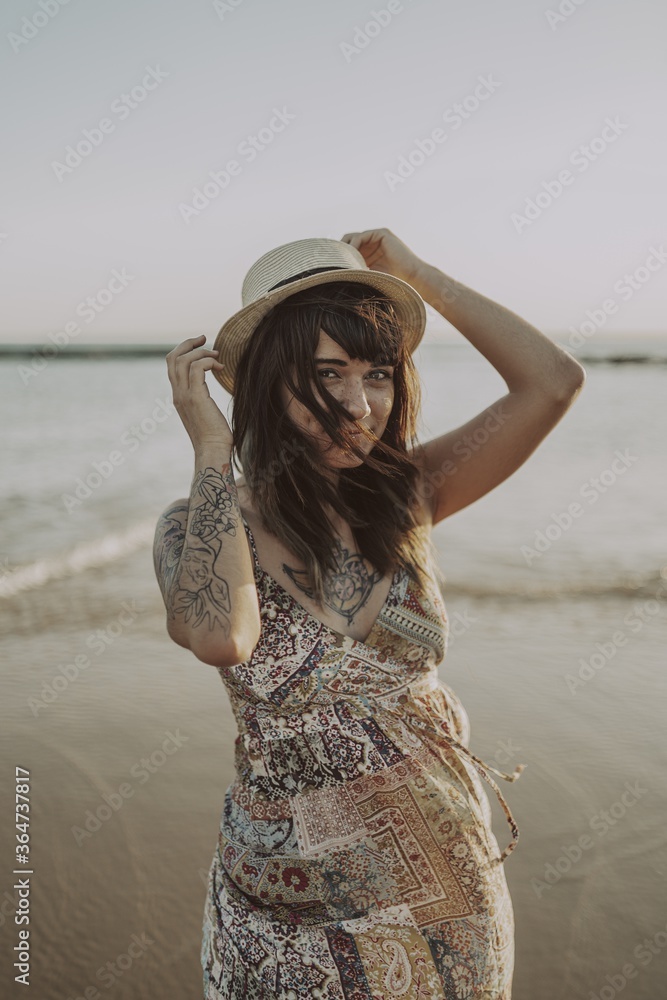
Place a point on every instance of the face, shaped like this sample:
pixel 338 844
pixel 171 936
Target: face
pixel 366 391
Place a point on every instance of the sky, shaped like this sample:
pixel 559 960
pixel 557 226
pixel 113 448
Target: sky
pixel 518 147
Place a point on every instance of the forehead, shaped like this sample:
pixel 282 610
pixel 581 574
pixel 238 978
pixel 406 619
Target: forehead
pixel 326 345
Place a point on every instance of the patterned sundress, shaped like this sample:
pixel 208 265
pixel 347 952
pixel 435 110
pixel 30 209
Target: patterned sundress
pixel 355 857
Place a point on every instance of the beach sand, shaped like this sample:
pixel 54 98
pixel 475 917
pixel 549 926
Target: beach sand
pixel 138 881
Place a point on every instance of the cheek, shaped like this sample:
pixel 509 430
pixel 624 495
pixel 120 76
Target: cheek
pixel 300 414
pixel 385 404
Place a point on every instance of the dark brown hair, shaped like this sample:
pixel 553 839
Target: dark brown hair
pixel 283 467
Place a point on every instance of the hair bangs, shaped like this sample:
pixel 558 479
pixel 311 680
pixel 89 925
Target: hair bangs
pixel 364 323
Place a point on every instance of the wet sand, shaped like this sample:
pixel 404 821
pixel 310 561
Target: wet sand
pixel 117 912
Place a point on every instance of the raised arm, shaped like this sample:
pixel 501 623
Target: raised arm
pixel 543 381
pixel 200 552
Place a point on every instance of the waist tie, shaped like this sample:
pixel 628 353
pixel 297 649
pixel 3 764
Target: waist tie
pixel 412 709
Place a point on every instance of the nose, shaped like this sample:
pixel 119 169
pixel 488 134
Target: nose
pixel 356 403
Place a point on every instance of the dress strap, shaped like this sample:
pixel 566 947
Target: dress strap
pixel 410 708
pixel 258 568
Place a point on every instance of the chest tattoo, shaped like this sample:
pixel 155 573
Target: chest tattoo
pixel 347 589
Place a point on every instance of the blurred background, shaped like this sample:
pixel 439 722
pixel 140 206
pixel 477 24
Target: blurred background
pixel 151 153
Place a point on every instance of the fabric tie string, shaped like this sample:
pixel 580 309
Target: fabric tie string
pixel 411 709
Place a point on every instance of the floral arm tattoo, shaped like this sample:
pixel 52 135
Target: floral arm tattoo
pixel 187 557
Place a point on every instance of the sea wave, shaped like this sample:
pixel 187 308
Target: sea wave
pixel 649 586
pixel 113 546
pixel 86 555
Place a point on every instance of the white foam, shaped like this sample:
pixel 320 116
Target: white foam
pixel 86 555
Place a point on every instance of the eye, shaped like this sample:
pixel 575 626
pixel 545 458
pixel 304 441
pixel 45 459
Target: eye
pixel 385 375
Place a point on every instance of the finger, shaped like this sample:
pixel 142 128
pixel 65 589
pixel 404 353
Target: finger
pixel 178 366
pixel 370 240
pixel 195 354
pixel 181 350
pixel 186 345
pixel 197 370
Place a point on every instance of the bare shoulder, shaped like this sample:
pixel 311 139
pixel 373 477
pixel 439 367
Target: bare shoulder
pixel 175 512
pixel 174 518
pixel 272 552
pixel 266 542
pixel 171 525
pixel 245 503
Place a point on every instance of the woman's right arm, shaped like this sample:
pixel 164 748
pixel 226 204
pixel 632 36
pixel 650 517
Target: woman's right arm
pixel 201 555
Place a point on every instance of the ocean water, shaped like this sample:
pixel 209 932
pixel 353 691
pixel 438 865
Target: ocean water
pixel 94 450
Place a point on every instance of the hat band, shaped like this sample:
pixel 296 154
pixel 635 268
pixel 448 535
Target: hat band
pixel 305 274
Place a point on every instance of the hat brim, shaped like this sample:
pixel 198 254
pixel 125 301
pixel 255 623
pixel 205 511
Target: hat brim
pixel 234 335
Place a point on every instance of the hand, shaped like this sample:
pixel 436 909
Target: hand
pixel 383 251
pixel 202 419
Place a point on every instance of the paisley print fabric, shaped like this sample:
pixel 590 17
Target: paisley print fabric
pixel 355 857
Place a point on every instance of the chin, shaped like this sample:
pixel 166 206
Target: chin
pixel 334 457
pixel 342 461
pixel 350 463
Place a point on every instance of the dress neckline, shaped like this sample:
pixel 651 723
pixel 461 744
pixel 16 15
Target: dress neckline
pixel 306 612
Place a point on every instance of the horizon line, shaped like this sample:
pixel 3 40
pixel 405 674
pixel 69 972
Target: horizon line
pixel 446 339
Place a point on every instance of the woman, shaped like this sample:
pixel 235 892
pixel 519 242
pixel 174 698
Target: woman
pixel 355 856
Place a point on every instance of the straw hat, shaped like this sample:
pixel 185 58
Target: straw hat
pixel 302 264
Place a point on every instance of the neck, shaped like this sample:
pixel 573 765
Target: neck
pixel 333 475
pixel 334 518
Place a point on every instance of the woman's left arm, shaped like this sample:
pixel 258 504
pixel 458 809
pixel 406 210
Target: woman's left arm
pixel 543 381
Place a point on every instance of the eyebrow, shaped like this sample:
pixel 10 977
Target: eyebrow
pixel 343 364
